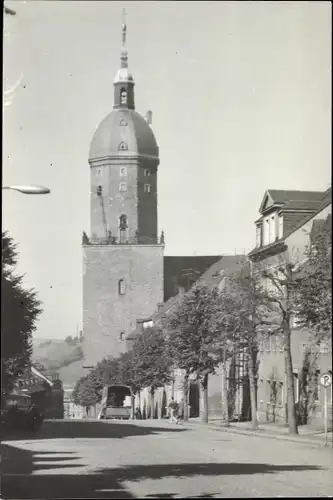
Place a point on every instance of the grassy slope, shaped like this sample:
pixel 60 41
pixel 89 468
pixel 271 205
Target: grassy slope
pixel 57 355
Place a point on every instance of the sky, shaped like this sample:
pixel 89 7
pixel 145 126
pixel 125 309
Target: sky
pixel 241 101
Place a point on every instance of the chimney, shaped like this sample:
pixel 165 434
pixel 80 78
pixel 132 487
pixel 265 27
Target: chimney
pixel 149 117
pixel 181 292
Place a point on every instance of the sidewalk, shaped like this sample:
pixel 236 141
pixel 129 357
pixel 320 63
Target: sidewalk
pixel 268 430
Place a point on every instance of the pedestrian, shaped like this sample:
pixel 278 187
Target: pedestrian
pixel 173 407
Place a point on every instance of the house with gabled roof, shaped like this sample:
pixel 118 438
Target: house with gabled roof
pixel 287 223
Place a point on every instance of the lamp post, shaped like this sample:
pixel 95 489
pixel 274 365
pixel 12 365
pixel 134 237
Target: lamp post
pixel 29 189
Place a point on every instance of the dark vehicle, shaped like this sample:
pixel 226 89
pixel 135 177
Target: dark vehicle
pixel 18 412
pixel 116 402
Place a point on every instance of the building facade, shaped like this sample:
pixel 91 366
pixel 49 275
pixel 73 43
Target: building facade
pixel 283 231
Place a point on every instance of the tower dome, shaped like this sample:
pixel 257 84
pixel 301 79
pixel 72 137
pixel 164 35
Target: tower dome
pixel 124 132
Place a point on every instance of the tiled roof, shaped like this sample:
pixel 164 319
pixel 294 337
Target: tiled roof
pixel 175 268
pixel 281 196
pixel 225 266
pixel 325 200
pixel 301 205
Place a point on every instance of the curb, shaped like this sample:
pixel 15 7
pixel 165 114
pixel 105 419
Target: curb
pixel 260 433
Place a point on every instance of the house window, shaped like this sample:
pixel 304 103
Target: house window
pixel 122 186
pixel 121 287
pixel 147 172
pixel 280 226
pixel 122 336
pixel 258 236
pixel 147 188
pixel 123 172
pixel 99 190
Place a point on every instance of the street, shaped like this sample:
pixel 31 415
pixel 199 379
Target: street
pixel 157 459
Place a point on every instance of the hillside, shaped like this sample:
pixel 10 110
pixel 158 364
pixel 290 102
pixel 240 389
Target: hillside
pixel 59 355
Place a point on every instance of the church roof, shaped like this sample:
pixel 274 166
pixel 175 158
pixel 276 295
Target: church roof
pixel 123 133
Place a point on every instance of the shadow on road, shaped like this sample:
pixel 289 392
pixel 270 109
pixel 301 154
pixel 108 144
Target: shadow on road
pixel 19 481
pixel 154 471
pixel 88 430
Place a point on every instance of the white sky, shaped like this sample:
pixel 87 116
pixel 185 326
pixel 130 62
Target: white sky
pixel 241 100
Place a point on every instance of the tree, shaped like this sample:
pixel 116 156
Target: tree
pixel 253 317
pixel 313 283
pixel 20 309
pixel 279 291
pixel 151 365
pixel 86 392
pixel 313 307
pixel 190 338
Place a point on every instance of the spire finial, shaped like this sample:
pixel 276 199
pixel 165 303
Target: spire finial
pixel 123 57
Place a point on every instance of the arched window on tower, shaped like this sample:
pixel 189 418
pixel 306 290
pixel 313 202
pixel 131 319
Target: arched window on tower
pixel 123 229
pixel 121 287
pixel 123 96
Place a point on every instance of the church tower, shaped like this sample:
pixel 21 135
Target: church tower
pixel 123 257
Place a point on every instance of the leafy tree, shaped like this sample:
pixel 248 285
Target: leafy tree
pixel 86 392
pixel 280 293
pixel 253 316
pixel 150 362
pixel 20 309
pixel 190 338
pixel 313 283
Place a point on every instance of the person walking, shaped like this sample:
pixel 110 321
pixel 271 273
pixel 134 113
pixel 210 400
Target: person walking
pixel 173 407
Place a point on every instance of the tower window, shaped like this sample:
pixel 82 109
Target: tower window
pixel 121 287
pixel 147 188
pixel 123 186
pixel 123 96
pixel 123 146
pixel 123 229
pixel 123 172
pixel 99 190
pixel 147 172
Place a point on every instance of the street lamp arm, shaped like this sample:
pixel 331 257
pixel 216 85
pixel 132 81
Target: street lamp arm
pixel 29 189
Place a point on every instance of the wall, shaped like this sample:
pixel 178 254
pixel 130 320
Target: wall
pixel 271 367
pixel 299 240
pixel 106 313
pixel 115 202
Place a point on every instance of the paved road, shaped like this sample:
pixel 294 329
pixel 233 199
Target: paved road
pixel 158 460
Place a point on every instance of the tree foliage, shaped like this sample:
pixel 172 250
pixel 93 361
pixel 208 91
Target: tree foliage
pixel 313 283
pixel 150 361
pixel 191 331
pixel 86 392
pixel 20 309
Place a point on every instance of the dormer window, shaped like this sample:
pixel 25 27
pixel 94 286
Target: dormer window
pixel 280 226
pixel 258 236
pixel 266 231
pixel 272 231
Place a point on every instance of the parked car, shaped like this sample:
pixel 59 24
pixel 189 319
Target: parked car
pixel 17 411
